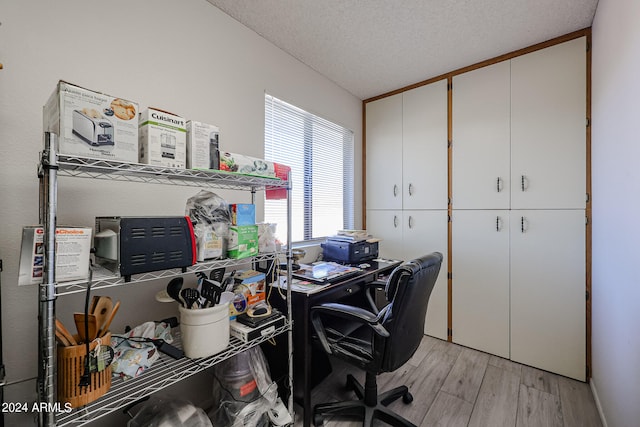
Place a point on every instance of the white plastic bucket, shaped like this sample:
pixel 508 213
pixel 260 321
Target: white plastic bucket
pixel 205 331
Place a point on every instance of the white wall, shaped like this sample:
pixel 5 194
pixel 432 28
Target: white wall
pixel 186 57
pixel 616 207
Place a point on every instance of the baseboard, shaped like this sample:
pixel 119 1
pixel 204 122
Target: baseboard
pixel 597 400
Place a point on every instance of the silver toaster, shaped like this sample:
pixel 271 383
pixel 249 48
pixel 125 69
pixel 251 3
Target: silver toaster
pixel 94 131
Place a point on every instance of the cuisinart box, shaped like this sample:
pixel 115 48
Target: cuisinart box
pixel 73 245
pixel 163 139
pixel 202 146
pixel 92 124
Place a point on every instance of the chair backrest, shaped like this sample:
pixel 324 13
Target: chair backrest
pixel 408 290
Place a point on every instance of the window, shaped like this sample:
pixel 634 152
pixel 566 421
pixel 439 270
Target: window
pixel 320 154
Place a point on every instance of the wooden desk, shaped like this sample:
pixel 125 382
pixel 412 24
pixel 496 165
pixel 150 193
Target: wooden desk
pixel 310 368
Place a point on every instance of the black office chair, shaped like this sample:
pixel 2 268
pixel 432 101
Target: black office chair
pixel 377 343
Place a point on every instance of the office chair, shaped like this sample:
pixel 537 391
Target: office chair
pixel 377 343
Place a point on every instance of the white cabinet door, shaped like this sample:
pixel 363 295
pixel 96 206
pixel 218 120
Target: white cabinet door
pixel 384 153
pixel 481 138
pixel 480 284
pixel 387 225
pixel 425 232
pixel 424 147
pixel 548 128
pixel 548 290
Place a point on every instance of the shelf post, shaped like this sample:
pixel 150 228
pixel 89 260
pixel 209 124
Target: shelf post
pixel 48 174
pixel 289 281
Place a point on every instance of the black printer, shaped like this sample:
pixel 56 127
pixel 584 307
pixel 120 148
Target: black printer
pixel 349 251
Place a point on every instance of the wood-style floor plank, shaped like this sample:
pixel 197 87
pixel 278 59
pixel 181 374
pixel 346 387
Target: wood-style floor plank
pixel 448 411
pixel 497 401
pixel 578 406
pixel 540 380
pixel 466 375
pixel 538 409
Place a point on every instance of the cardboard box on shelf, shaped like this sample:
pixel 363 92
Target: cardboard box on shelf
pixel 243 213
pixel 163 139
pixel 202 146
pixel 73 245
pixel 247 165
pixel 243 241
pixel 92 124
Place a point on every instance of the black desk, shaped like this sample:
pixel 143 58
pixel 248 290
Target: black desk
pixel 350 288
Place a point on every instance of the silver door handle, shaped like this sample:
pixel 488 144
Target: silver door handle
pixel 499 185
pixel 524 224
pixel 395 190
pixel 410 222
pixel 524 182
pixel 395 221
pixel 498 223
pixel 411 189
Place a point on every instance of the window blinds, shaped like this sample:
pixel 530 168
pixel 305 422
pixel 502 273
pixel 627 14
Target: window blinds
pixel 320 154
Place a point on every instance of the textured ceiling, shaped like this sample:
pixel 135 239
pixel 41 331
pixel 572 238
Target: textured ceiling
pixel 370 47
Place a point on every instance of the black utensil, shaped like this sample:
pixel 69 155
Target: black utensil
pixel 174 287
pixel 227 284
pixel 217 274
pixel 189 296
pixel 211 291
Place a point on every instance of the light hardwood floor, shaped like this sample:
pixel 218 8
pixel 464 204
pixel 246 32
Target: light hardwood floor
pixel 457 386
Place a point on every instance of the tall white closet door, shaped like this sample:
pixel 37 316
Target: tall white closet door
pixel 424 147
pixel 384 153
pixel 480 267
pixel 425 232
pixel 548 127
pixel 481 137
pixel 387 225
pixel 548 290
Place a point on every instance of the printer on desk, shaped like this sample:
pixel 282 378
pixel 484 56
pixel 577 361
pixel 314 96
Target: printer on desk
pixel 348 250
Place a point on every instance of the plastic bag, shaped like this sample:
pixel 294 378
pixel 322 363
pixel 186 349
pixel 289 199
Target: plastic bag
pixel 267 238
pixel 211 218
pixel 165 412
pixel 243 391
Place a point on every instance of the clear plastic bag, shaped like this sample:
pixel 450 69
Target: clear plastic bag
pixel 165 412
pixel 211 218
pixel 243 391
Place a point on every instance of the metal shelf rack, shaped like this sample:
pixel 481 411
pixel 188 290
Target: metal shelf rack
pixel 165 373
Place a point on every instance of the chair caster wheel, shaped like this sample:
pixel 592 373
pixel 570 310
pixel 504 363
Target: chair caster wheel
pixel 318 420
pixel 407 398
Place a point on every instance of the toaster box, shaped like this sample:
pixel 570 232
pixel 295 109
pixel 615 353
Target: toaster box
pixel 202 146
pixel 92 124
pixel 163 139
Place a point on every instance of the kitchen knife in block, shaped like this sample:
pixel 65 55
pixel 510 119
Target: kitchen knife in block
pixel 65 333
pixel 105 328
pixel 80 322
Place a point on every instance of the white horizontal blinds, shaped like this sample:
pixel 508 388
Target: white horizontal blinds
pixel 320 154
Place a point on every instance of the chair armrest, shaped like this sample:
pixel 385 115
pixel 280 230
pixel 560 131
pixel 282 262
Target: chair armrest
pixel 345 312
pixel 371 288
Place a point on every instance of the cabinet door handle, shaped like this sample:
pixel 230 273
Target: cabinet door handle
pixel 498 224
pixel 395 221
pixel 524 226
pixel 411 189
pixel 499 185
pixel 410 222
pixel 524 182
pixel 395 190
